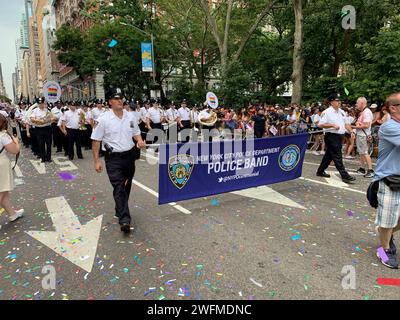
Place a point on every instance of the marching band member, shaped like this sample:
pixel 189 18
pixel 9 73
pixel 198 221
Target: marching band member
pixel 144 125
pixel 194 118
pixel 184 117
pixel 97 112
pixel 42 118
pixel 155 119
pixel 71 122
pixel 20 116
pixel 88 125
pixel 57 134
pixel 173 120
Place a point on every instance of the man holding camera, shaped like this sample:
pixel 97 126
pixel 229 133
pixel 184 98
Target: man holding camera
pixel 117 130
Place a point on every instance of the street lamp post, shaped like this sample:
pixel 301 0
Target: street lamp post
pixel 152 45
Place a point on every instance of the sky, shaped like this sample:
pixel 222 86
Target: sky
pixel 10 19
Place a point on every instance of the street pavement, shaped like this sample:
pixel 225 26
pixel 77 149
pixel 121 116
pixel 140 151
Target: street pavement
pixel 286 241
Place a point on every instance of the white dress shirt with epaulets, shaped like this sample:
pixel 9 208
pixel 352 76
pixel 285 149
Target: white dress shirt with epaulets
pixel 56 113
pixel 194 116
pixel 331 116
pixel 97 113
pixel 71 119
pixel 184 113
pixel 115 132
pixel 172 114
pixel 41 115
pixel 143 114
pixel 154 114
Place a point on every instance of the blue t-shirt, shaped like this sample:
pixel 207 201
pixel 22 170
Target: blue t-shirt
pixel 389 150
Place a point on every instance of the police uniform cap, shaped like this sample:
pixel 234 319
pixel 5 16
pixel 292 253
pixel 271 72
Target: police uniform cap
pixel 114 93
pixel 334 97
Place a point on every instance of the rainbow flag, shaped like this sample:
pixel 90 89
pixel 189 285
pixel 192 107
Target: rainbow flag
pixel 52 92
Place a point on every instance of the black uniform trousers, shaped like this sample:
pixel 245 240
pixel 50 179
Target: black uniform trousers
pixel 121 170
pixel 143 131
pixel 24 136
pixel 156 126
pixel 44 140
pixel 73 136
pixel 34 141
pixel 259 132
pixel 57 137
pixel 186 125
pixel 87 134
pixel 334 143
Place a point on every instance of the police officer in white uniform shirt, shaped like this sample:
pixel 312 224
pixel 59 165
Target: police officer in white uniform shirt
pixel 194 118
pixel 334 120
pixel 173 120
pixel 70 127
pixel 42 118
pixel 97 112
pixel 118 129
pixel 57 134
pixel 184 118
pixel 143 123
pixel 155 117
pixel 20 115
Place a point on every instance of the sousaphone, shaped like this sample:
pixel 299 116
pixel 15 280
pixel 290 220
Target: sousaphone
pixel 209 122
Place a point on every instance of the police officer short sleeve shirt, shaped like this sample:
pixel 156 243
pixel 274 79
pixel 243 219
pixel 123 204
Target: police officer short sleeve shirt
pixel 97 113
pixel 184 114
pixel 172 114
pixel 331 116
pixel 154 115
pixel 72 119
pixel 115 132
pixel 39 113
pixel 56 112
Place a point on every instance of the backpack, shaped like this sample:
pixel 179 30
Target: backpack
pixel 372 194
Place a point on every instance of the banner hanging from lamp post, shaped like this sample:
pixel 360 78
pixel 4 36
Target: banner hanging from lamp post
pixel 147 57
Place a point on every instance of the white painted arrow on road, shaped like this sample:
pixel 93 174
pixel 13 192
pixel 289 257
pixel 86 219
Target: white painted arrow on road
pixel 267 194
pixel 71 240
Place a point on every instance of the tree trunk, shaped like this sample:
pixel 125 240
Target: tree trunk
pixel 298 61
pixel 341 54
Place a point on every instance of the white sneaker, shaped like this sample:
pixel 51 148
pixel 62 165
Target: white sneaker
pixel 18 214
pixel 315 153
pixel 349 157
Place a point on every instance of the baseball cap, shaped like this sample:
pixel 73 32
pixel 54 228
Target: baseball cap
pixel 40 100
pixel 374 106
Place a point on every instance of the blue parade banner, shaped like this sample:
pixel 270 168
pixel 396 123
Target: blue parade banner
pixel 196 170
pixel 147 57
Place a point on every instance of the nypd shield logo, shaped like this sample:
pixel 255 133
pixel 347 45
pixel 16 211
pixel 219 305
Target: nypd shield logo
pixel 180 168
pixel 289 158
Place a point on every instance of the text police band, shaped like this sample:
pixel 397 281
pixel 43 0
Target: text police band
pixel 201 309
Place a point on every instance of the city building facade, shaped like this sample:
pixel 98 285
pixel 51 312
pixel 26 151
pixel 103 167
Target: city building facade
pixel 74 88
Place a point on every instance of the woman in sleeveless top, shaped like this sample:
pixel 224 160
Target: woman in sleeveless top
pixel 11 145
